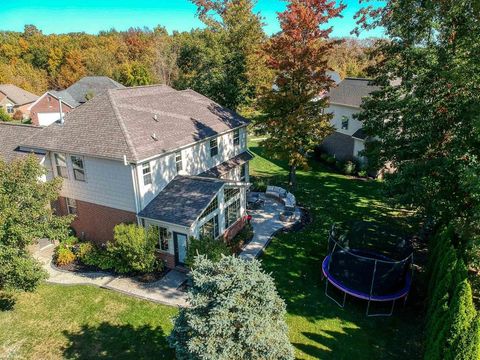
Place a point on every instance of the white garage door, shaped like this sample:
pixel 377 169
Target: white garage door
pixel 45 119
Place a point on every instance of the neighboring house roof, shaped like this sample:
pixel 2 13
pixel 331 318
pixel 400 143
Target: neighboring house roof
pixel 228 165
pixel 183 200
pixel 137 122
pixel 351 91
pixel 17 95
pixel 11 135
pixel 359 134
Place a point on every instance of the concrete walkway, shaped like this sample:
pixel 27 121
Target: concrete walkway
pixel 265 221
pixel 163 291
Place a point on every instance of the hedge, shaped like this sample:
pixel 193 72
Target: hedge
pixel 452 324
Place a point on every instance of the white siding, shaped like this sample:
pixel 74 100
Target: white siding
pixel 358 145
pixel 195 160
pixel 171 229
pixel 338 112
pixel 108 183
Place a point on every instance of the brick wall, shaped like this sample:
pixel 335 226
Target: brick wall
pixel 169 259
pixel 95 222
pixel 234 229
pixel 47 104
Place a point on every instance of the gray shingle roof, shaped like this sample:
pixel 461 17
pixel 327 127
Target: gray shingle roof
pixel 228 165
pixel 17 95
pixel 359 134
pixel 351 91
pixel 183 200
pixel 10 137
pixel 122 122
pixel 76 93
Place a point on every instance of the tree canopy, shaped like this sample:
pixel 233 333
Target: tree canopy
pixel 235 313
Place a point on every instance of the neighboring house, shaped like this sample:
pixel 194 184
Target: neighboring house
pixel 348 140
pixel 153 155
pixel 13 98
pixel 46 110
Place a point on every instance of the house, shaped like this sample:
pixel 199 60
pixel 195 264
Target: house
pixel 46 110
pixel 13 98
pixel 348 140
pixel 153 155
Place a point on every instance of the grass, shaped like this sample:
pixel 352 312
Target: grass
pixel 319 329
pixel 85 322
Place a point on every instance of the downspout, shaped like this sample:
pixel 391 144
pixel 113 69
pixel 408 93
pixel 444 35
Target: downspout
pixel 61 111
pixel 135 190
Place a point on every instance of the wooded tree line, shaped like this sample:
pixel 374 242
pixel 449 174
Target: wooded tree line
pixel 207 60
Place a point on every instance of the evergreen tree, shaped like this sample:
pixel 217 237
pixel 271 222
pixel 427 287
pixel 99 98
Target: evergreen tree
pixel 235 313
pixel 294 118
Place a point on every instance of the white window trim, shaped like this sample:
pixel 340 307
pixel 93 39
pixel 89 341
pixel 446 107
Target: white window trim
pixel 71 206
pixel 84 168
pixel 144 166
pixel 177 161
pixel 57 166
pixel 212 147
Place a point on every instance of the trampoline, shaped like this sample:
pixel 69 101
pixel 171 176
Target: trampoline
pixel 366 274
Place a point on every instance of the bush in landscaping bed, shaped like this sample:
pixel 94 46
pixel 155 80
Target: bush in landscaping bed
pixel 243 236
pixel 63 255
pixel 211 248
pixel 349 168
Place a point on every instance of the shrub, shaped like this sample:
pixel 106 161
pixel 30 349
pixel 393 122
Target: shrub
pixel 363 173
pixel 260 184
pixel 330 160
pixel 349 168
pixel 241 238
pixel 17 115
pixel 98 257
pixel 70 241
pixel 236 313
pixel 133 248
pixel 83 250
pixel 4 116
pixel 63 255
pixel 211 248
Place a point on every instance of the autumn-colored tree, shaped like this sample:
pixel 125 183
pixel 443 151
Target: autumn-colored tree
pixel 294 117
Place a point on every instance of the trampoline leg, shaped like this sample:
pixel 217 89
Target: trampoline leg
pixel 381 314
pixel 342 305
pixel 368 308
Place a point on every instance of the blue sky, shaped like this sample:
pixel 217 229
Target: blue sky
pixel 91 16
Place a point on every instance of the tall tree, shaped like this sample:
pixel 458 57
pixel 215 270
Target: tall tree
pixel 235 313
pixel 426 116
pixel 294 117
pixel 24 217
pixel 237 74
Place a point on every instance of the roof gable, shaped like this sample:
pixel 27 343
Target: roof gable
pixel 17 95
pixel 11 135
pixel 351 91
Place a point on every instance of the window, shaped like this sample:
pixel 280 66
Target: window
pixel 345 122
pixel 178 161
pixel 243 172
pixel 147 174
pixel 236 137
pixel 162 237
pixel 210 228
pixel 10 109
pixel 213 147
pixel 232 213
pixel 71 206
pixel 61 165
pixel 210 208
pixel 78 167
pixel 230 193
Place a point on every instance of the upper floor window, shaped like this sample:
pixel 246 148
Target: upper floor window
pixel 243 172
pixel 213 147
pixel 61 165
pixel 78 167
pixel 236 137
pixel 345 121
pixel 10 109
pixel 147 174
pixel 71 206
pixel 178 161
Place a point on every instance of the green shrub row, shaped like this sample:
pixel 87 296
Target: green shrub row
pixel 452 324
pixel 243 236
pixel 211 248
pixel 132 251
pixel 345 167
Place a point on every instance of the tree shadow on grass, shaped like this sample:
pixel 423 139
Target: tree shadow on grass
pixel 7 302
pixel 110 341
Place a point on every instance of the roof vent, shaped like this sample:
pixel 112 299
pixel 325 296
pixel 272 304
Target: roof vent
pixel 154 137
pixel 155 117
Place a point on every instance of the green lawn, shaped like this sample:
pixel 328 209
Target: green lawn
pixel 319 329
pixel 86 322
